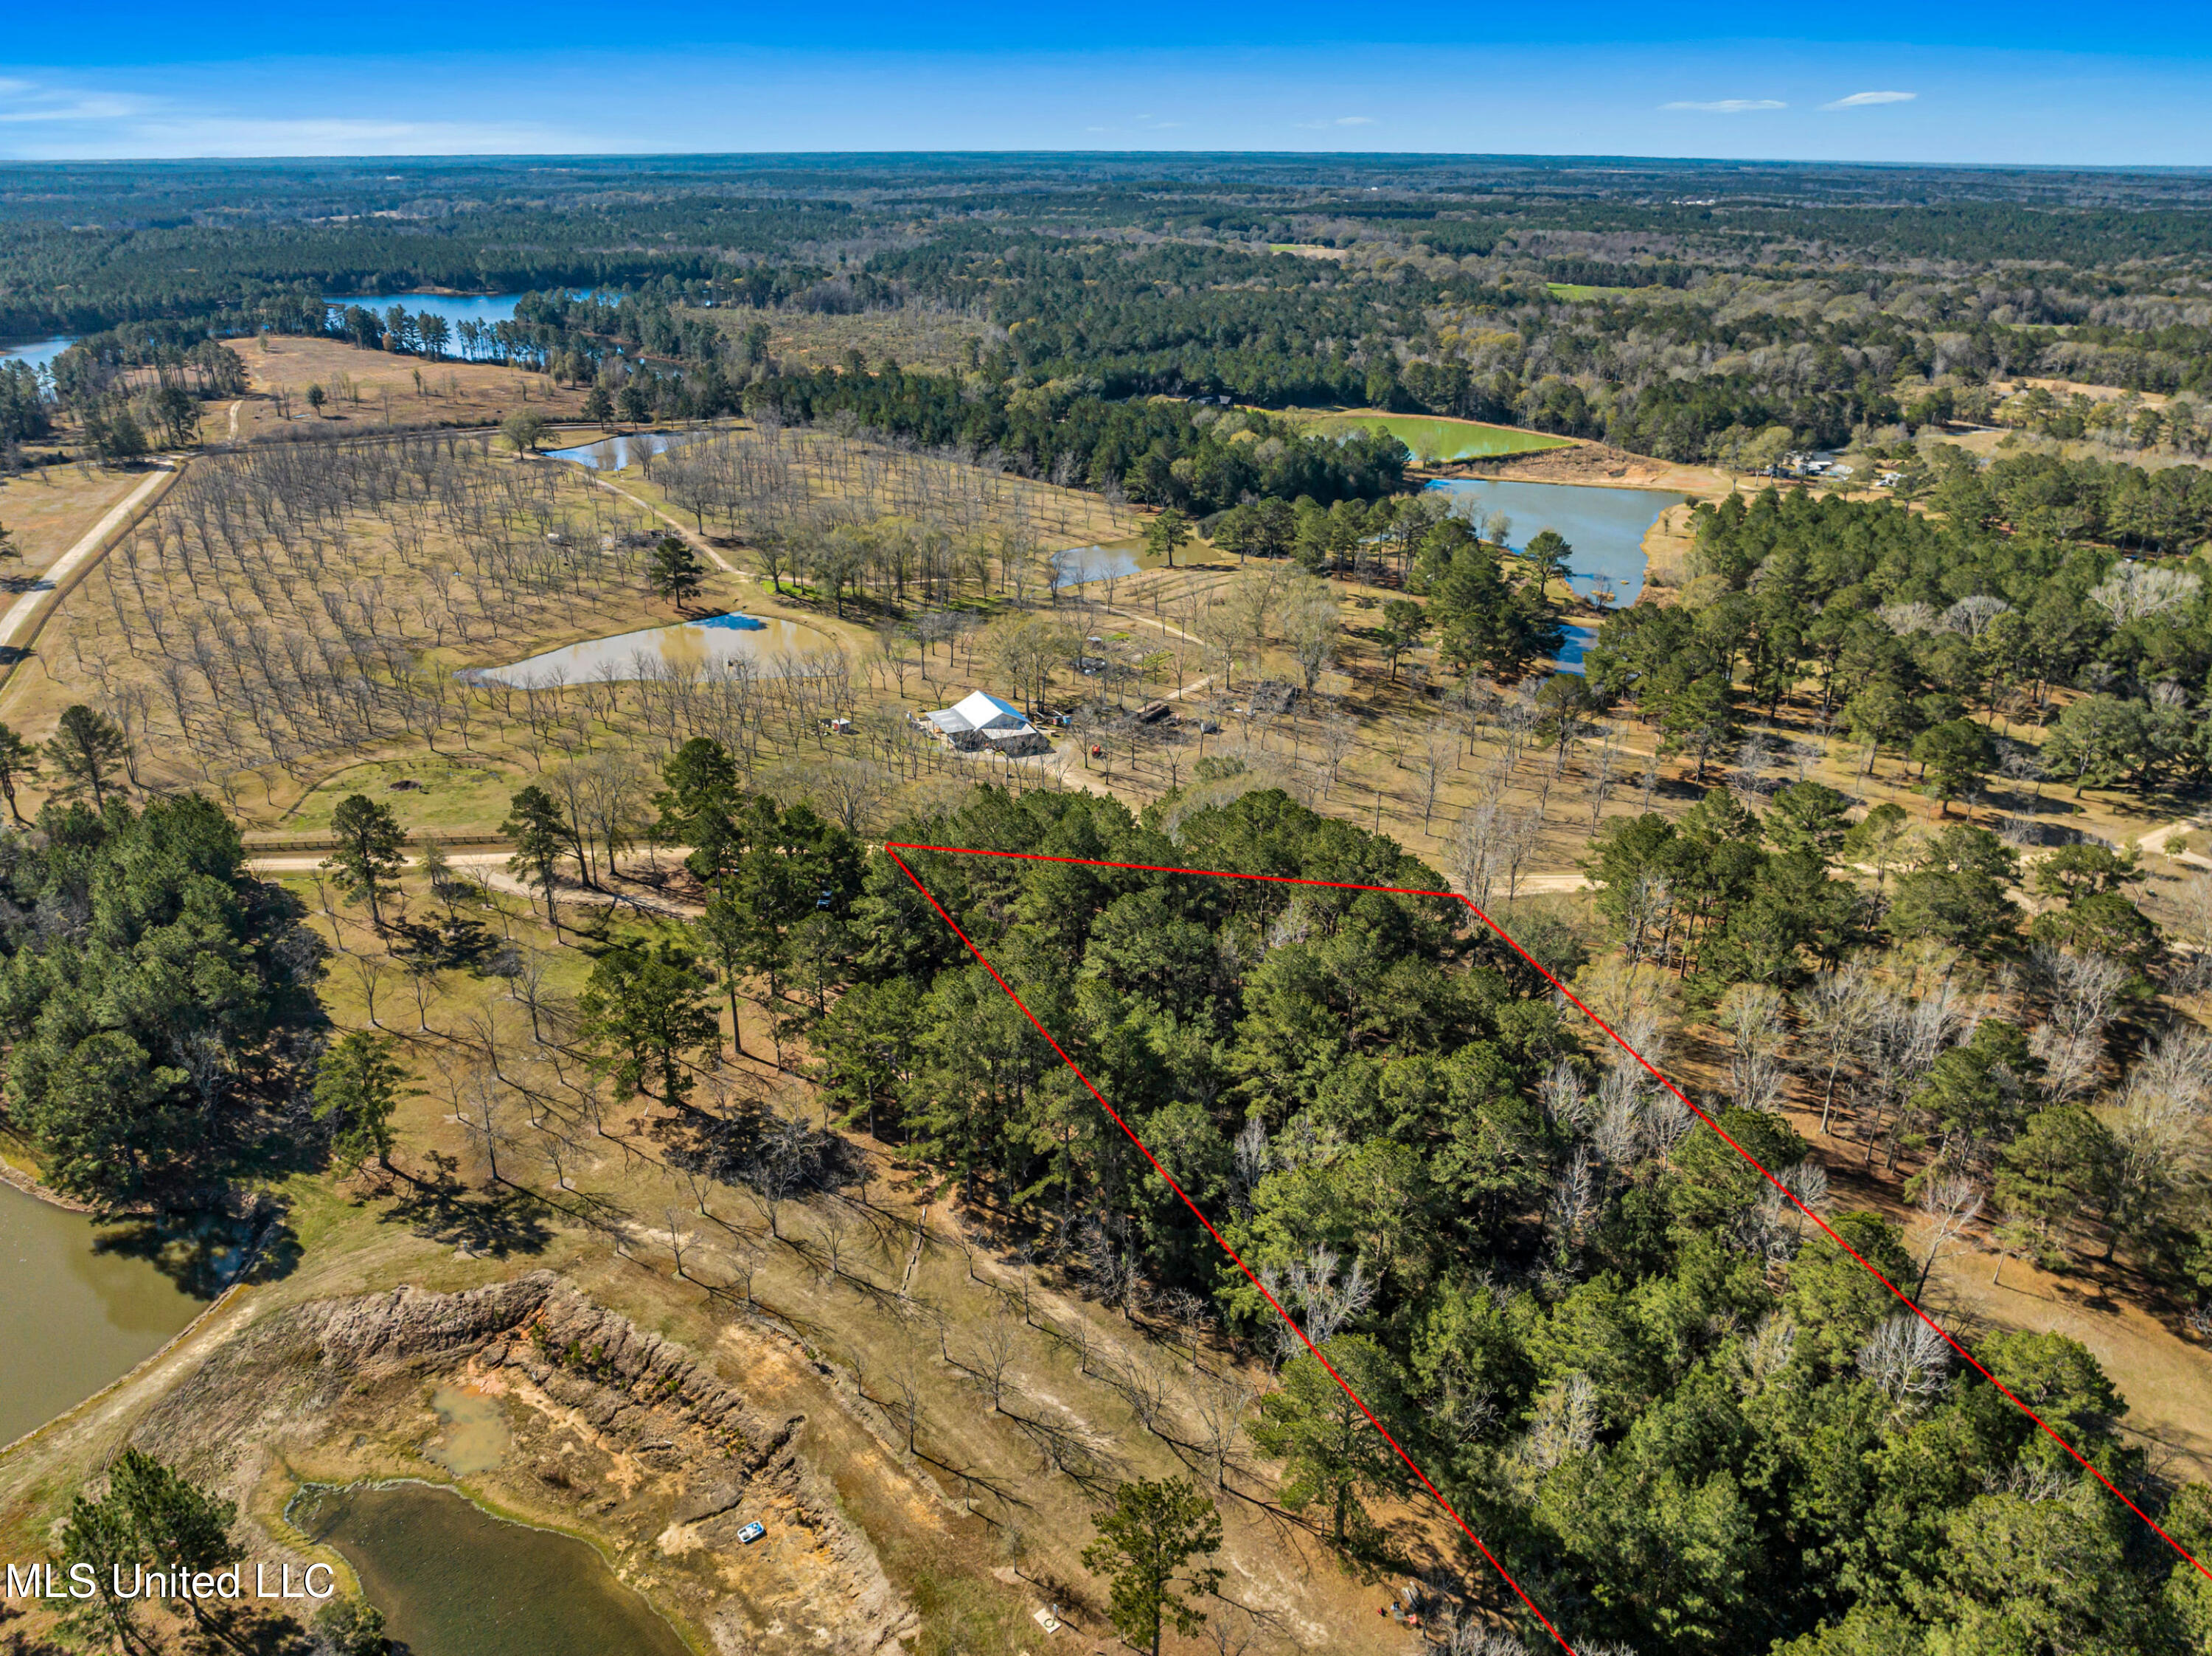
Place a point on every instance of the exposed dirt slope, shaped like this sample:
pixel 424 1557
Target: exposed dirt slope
pixel 614 1430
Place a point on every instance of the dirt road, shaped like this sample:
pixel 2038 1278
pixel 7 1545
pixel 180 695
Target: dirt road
pixel 18 625
pixel 490 867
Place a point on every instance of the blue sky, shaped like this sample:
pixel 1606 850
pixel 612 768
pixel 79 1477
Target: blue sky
pixel 1973 82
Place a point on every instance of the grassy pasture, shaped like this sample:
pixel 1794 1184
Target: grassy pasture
pixel 369 389
pixel 1434 439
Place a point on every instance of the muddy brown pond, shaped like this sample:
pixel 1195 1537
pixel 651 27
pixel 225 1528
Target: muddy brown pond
pixel 453 1580
pixel 83 1303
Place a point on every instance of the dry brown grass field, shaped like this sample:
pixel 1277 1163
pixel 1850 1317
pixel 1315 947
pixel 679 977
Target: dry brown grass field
pixel 368 389
pixel 48 508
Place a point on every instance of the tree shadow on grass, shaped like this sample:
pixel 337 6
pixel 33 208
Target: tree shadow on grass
pixel 245 1631
pixel 497 1224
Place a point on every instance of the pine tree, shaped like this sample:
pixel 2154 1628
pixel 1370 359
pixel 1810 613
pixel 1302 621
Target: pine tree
pixel 643 1010
pixel 542 838
pixel 1146 1542
pixel 369 857
pixel 85 752
pixel 357 1086
pixel 676 572
pixel 19 763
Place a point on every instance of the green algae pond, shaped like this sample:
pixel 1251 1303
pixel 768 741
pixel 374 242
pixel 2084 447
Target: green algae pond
pixel 453 1580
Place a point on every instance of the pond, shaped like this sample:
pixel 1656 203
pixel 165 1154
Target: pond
pixel 1078 566
pixel 453 1580
pixel 613 454
pixel 82 1304
pixel 696 645
pixel 40 353
pixel 1605 526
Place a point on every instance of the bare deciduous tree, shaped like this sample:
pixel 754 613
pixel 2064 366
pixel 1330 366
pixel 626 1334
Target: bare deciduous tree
pixel 1948 1204
pixel 1907 1359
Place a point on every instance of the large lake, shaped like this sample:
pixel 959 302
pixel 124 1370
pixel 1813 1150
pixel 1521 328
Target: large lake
pixel 1605 526
pixel 80 1305
pixel 453 308
pixel 40 353
pixel 453 1580
pixel 692 644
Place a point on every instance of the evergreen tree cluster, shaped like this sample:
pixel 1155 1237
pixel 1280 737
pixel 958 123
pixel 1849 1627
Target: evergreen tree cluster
pixel 1681 1416
pixel 1905 623
pixel 158 1001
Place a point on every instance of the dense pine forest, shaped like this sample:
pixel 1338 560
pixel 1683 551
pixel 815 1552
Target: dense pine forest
pixel 1674 310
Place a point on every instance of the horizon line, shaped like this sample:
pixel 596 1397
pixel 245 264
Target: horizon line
pixel 1524 158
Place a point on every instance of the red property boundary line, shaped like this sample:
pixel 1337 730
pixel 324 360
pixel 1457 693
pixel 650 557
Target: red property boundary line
pixel 892 850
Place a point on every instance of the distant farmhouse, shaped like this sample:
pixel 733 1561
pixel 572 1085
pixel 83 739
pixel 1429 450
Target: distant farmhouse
pixel 980 723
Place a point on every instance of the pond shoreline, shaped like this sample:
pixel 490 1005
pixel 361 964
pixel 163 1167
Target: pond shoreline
pixel 238 1284
pixel 702 642
pixel 13 1175
pixel 487 1510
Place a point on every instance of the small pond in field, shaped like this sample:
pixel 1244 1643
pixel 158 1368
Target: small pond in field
pixel 81 1303
pixel 613 454
pixel 453 1580
pixel 474 1437
pixel 1078 566
pixel 695 645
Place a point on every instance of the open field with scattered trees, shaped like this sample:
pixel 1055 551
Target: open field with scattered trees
pixel 1877 825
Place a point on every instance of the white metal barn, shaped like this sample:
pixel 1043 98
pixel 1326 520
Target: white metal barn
pixel 980 723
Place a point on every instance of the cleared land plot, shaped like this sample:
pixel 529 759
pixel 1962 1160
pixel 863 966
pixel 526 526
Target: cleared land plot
pixel 47 510
pixel 368 389
pixel 1434 439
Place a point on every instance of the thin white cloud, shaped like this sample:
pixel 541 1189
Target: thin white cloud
pixel 49 122
pixel 25 100
pixel 213 135
pixel 53 122
pixel 1861 99
pixel 1727 106
pixel 1342 121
